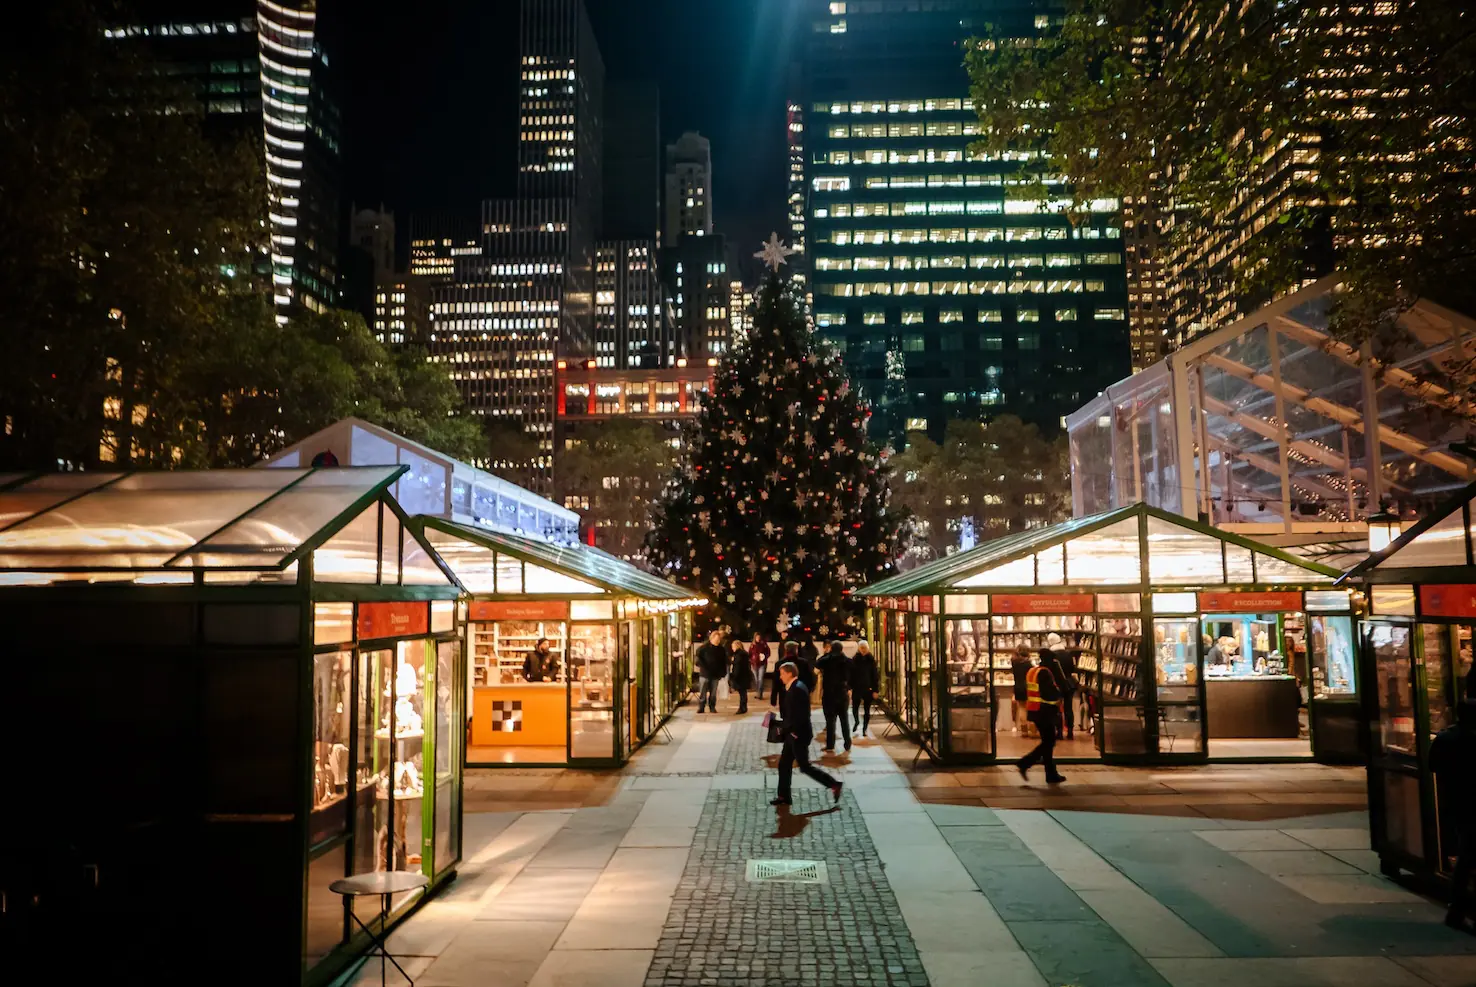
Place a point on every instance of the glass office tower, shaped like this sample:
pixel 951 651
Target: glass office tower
pixel 951 289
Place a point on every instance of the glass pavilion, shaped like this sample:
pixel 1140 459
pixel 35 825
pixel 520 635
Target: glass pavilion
pixel 1417 659
pixel 1188 642
pixel 1273 422
pixel 618 647
pixel 243 685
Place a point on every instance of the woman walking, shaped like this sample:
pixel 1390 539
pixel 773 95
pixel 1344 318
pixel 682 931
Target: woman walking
pixel 740 678
pixel 758 658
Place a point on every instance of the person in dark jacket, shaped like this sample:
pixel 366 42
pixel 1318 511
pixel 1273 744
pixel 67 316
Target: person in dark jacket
pixel 540 665
pixel 712 665
pixel 790 653
pixel 1019 668
pixel 758 660
pixel 1453 759
pixel 740 679
pixel 835 685
pixel 1042 697
pixel 809 652
pixel 865 681
pixel 1063 668
pixel 794 718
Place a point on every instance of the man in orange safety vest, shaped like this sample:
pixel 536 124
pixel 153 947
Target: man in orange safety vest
pixel 1043 708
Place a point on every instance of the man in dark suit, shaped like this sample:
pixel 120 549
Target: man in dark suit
pixel 794 715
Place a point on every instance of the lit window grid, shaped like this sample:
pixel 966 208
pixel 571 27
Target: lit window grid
pixel 285 40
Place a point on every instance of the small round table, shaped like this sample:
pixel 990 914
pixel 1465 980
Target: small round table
pixel 385 884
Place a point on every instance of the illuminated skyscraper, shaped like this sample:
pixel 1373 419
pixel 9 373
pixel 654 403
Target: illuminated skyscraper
pixel 262 69
pixel 950 293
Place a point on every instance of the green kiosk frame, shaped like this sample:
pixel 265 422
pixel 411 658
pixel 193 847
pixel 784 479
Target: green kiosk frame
pixel 245 684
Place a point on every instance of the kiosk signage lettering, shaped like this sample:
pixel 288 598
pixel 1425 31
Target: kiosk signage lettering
pixel 393 619
pixel 1045 603
pixel 519 610
pixel 1249 602
pixel 1445 600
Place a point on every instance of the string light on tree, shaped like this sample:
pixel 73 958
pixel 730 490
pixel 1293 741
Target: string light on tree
pixel 780 464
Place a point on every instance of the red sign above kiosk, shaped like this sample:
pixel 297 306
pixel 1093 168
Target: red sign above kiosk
pixel 1044 603
pixel 1249 602
pixel 1446 600
pixel 392 620
pixel 519 610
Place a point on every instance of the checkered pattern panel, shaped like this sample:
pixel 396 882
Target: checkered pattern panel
pixel 507 715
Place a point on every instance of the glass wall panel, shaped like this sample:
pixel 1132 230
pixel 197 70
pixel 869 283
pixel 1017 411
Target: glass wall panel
pixel 1435 640
pixel 400 740
pixel 1180 726
pixel 325 911
pixel 1179 555
pixel 418 568
pixel 332 709
pixel 371 812
pixel 1020 572
pixel 1443 544
pixel 509 573
pixel 1238 567
pixel 922 664
pixel 389 550
pixel 537 579
pixel 1393 679
pixel 1051 566
pixel 448 755
pixel 472 563
pixel 352 555
pixel 1332 657
pixel 971 686
pixel 333 623
pixel 1106 556
pixel 592 668
pixel 1270 569
pixel 1392 600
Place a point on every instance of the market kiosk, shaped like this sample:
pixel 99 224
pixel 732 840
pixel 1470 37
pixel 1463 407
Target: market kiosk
pixel 1416 657
pixel 242 685
pixel 1187 643
pixel 615 648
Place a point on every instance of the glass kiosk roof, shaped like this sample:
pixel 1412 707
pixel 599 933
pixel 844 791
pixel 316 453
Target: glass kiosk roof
pixel 1442 540
pixel 234 520
pixel 1107 550
pixel 498 562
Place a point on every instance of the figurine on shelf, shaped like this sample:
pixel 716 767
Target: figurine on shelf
pixel 406 681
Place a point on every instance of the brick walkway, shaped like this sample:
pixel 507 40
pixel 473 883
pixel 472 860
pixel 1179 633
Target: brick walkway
pixel 724 930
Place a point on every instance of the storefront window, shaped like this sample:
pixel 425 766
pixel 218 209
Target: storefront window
pixel 1435 648
pixel 1106 556
pixel 325 914
pixel 971 675
pixel 332 706
pixel 1393 677
pixel 1332 656
pixel 1178 555
pixel 371 813
pixel 591 692
pixel 922 655
pixel 400 737
pixel 447 755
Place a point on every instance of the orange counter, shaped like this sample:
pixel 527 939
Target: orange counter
pixel 542 709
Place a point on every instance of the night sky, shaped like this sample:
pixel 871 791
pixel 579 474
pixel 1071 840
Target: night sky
pixel 431 101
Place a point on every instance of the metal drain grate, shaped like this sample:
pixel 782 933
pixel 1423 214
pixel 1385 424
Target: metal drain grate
pixel 788 872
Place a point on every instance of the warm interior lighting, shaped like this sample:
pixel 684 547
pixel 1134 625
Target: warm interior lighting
pixel 1383 530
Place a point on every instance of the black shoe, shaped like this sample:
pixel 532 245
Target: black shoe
pixel 835 790
pixel 1024 771
pixel 848 748
pixel 1056 780
pixel 779 802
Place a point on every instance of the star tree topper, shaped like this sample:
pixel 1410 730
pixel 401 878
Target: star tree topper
pixel 774 253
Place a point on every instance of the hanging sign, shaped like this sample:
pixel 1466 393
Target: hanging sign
pixel 1249 602
pixel 1439 600
pixel 518 610
pixel 1043 603
pixel 393 620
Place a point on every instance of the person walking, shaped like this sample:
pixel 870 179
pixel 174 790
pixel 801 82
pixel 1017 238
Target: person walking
pixel 1043 696
pixel 1019 669
pixel 835 684
pixel 865 681
pixel 809 652
pixel 1453 759
pixel 712 665
pixel 794 720
pixel 1063 668
pixel 791 655
pixel 740 678
pixel 758 659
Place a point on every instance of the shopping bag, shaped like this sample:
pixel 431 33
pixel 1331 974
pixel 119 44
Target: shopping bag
pixel 722 690
pixel 775 726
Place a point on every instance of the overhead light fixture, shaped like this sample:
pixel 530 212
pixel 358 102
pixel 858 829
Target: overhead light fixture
pixel 1384 529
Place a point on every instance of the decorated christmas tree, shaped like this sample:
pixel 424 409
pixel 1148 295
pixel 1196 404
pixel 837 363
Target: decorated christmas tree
pixel 780 509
